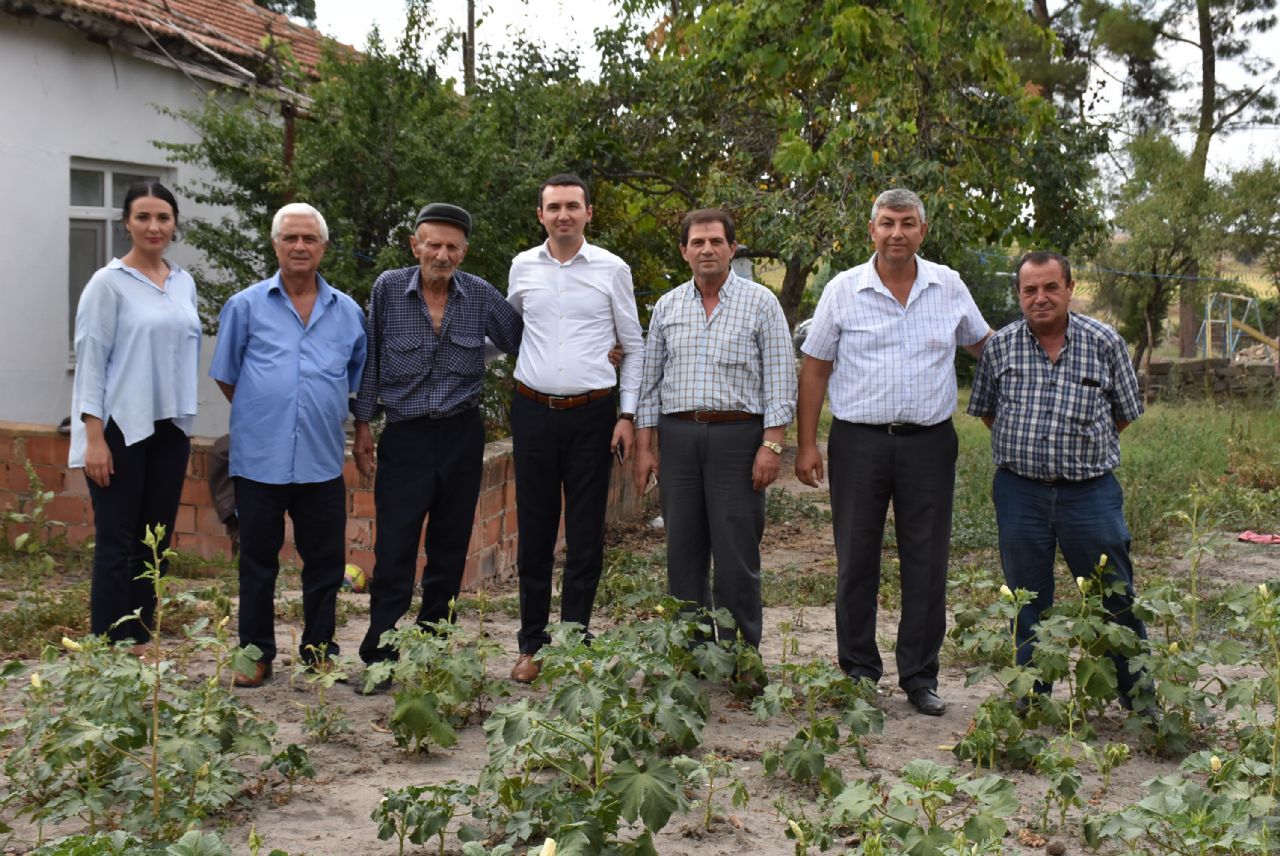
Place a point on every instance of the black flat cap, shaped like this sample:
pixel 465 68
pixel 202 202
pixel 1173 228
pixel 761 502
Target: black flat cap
pixel 443 212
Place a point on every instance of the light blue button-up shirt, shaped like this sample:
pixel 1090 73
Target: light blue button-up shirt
pixel 894 363
pixel 137 354
pixel 292 381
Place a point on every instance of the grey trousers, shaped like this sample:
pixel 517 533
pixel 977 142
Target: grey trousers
pixel 868 468
pixel 713 516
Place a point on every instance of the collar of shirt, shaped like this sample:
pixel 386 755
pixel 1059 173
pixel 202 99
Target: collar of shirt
pixel 924 279
pixel 584 252
pixel 325 297
pixel 414 285
pixel 174 270
pixel 727 291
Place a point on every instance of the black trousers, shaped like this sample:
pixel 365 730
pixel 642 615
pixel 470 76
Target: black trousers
pixel 555 449
pixel 714 517
pixel 144 491
pixel 428 469
pixel 868 468
pixel 319 514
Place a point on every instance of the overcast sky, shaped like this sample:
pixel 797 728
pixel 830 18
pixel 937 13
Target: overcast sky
pixel 572 23
pixel 554 23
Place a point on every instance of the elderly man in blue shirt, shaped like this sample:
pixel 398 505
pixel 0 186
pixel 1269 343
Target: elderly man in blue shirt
pixel 426 329
pixel 290 353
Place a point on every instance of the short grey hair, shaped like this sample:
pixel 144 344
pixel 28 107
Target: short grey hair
pixel 897 199
pixel 300 209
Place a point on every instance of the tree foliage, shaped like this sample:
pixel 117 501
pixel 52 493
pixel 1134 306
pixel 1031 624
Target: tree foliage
pixel 797 135
pixel 1253 220
pixel 304 9
pixel 1166 232
pixel 380 135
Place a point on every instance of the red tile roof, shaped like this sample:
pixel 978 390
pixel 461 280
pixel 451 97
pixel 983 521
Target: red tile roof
pixel 235 29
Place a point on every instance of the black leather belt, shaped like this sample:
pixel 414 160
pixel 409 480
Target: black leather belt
pixel 563 402
pixel 900 429
pixel 1059 482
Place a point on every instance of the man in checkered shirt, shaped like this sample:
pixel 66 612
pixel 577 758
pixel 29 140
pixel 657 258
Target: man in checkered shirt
pixel 1056 389
pixel 426 327
pixel 718 390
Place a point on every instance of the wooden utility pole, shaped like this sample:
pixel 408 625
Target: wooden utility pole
pixel 469 50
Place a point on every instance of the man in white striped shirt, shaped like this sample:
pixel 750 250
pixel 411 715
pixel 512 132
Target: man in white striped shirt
pixel 576 300
pixel 718 390
pixel 884 337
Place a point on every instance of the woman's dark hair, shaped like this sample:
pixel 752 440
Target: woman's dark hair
pixel 149 188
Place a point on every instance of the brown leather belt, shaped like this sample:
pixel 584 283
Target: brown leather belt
pixel 563 402
pixel 714 415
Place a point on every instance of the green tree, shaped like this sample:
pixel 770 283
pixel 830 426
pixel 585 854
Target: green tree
pixel 1142 34
pixel 377 136
pixel 1253 222
pixel 304 9
pixel 1164 227
pixel 794 113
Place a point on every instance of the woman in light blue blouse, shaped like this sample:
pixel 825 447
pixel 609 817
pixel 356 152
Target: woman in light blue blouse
pixel 132 406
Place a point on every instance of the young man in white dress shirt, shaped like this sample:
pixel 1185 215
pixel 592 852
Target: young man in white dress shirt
pixel 884 335
pixel 577 300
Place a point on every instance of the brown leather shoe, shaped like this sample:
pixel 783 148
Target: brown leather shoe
pixel 261 673
pixel 526 669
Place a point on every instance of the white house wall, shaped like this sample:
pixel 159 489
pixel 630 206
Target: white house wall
pixel 63 97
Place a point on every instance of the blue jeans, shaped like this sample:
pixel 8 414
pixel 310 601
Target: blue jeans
pixel 1085 520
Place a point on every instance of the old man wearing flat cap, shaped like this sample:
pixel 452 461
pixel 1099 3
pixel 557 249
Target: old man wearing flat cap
pixel 426 327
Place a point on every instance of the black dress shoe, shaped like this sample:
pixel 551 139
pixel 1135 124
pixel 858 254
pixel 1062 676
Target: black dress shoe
pixel 926 701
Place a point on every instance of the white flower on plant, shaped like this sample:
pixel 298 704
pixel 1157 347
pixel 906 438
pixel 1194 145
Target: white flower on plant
pixel 71 644
pixel 1082 584
pixel 36 683
pixel 1262 589
pixel 1173 647
pixel 1102 560
pixel 1215 764
pixel 1006 593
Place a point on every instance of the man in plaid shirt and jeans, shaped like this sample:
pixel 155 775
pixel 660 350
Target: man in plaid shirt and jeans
pixel 1056 389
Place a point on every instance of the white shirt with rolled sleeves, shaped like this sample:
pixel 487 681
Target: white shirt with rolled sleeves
pixel 573 314
pixel 894 363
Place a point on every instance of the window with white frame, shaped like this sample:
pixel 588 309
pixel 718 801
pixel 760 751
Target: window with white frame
pixel 95 231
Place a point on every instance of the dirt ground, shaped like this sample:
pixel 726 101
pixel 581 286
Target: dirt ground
pixel 331 814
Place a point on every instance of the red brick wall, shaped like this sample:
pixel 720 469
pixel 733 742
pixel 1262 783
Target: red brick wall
pixel 491 556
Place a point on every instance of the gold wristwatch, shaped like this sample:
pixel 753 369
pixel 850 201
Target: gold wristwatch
pixel 776 448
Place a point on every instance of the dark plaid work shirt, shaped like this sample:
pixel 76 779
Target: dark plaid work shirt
pixel 1056 420
pixel 412 371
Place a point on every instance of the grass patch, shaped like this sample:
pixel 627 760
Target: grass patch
pixel 632 583
pixel 782 506
pixel 34 622
pixel 791 586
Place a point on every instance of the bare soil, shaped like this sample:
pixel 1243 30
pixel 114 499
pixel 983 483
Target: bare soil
pixel 331 814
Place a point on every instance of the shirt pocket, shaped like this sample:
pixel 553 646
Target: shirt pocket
pixel 402 357
pixel 465 355
pixel 736 356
